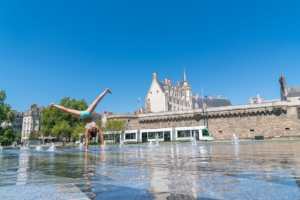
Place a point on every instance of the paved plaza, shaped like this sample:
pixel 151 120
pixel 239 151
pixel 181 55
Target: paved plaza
pixel 249 170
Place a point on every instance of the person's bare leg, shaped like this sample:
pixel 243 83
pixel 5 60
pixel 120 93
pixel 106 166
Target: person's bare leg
pixel 71 111
pixel 92 107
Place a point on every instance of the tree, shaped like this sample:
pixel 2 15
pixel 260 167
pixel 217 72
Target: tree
pixel 7 135
pixel 34 135
pixel 62 129
pixel 52 118
pixel 78 129
pixel 99 123
pixel 115 126
pixel 5 114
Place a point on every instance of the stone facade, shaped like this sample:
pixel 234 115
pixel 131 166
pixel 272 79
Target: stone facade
pixel 31 121
pixel 271 120
pixel 164 96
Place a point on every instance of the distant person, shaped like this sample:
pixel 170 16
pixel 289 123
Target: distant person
pixel 91 128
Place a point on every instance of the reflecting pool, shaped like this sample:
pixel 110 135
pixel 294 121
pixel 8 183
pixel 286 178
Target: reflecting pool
pixel 250 170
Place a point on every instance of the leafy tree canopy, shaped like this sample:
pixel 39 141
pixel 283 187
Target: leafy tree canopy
pixel 79 129
pixel 5 114
pixel 7 135
pixel 34 135
pixel 54 117
pixel 115 125
pixel 62 129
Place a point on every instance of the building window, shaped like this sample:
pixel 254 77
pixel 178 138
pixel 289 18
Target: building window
pixel 157 91
pixel 298 111
pixel 150 92
pixel 287 129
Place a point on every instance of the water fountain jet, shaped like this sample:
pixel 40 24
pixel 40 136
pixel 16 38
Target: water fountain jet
pixel 193 140
pixel 121 143
pixel 52 147
pixel 235 139
pixel 150 144
pixel 80 145
pixel 156 139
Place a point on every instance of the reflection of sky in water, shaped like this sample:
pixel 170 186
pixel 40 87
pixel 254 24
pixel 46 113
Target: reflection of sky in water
pixel 258 170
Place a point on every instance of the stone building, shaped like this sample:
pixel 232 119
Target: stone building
pixel 256 99
pixel 164 96
pixel 271 119
pixel 31 121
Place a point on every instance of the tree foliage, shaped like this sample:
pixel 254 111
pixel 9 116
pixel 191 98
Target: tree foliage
pixel 7 135
pixel 34 135
pixel 53 118
pixel 62 129
pixel 115 125
pixel 78 129
pixel 5 114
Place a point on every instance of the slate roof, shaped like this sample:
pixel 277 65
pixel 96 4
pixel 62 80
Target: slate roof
pixel 162 85
pixel 211 102
pixel 293 91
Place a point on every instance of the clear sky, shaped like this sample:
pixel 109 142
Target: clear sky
pixel 55 49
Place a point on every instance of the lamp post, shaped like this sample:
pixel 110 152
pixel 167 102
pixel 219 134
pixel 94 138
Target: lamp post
pixel 205 114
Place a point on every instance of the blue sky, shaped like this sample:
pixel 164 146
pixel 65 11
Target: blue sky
pixel 55 49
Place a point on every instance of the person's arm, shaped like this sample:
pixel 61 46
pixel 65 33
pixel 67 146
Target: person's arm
pixel 86 140
pixel 102 139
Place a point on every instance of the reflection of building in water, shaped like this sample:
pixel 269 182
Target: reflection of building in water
pixel 23 168
pixel 27 163
pixel 174 171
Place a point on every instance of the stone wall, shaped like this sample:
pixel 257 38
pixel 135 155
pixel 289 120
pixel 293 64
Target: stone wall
pixel 271 120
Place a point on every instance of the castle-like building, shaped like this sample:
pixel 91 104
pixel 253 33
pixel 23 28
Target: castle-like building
pixel 164 96
pixel 171 106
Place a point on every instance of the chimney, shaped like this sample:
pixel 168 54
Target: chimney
pixel 178 83
pixel 219 96
pixel 282 83
pixel 166 81
pixel 210 97
pixel 155 75
pixel 33 107
pixel 169 81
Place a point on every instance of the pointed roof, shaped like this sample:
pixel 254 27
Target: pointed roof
pixel 184 75
pixel 161 85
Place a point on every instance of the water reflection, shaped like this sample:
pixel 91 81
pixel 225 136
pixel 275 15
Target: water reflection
pixel 266 170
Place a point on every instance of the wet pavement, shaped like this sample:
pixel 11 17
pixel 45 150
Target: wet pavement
pixel 250 170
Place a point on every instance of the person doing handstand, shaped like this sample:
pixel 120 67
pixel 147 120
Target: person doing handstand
pixel 90 126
